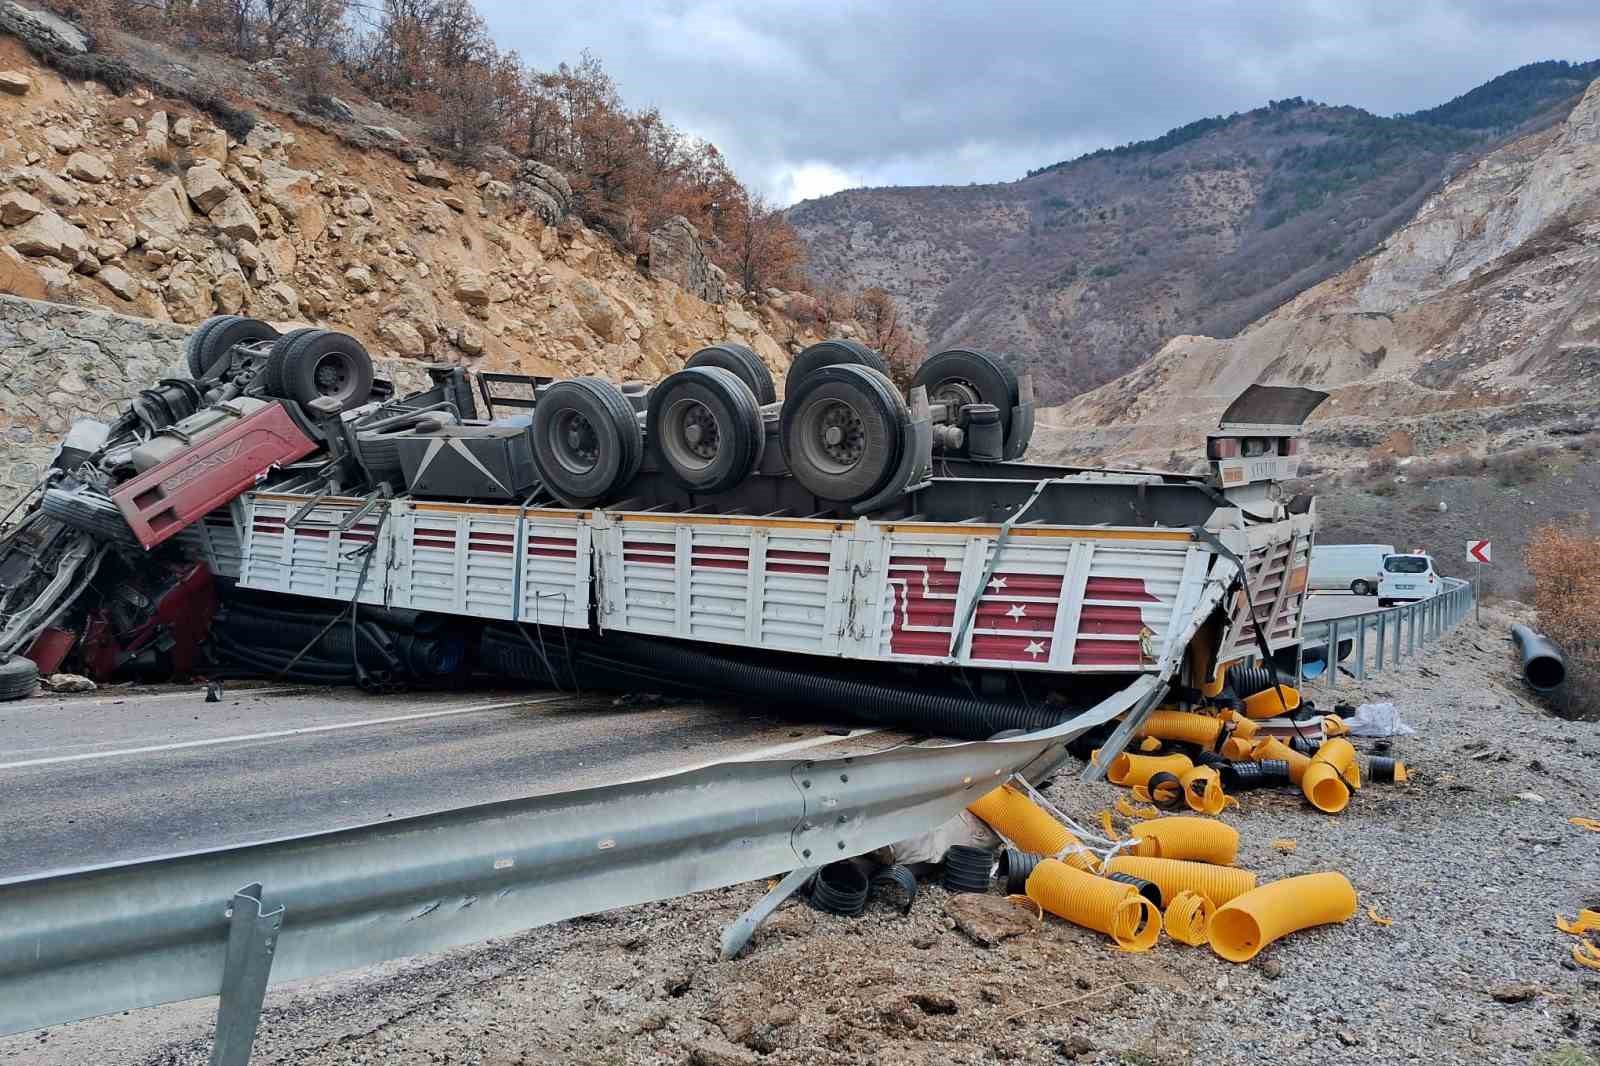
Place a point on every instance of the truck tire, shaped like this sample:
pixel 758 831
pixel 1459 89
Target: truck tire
pixel 1360 587
pixel 746 364
pixel 842 432
pixel 18 677
pixel 831 353
pixel 586 439
pixel 274 378
pixel 212 338
pixel 88 512
pixel 961 376
pixel 319 363
pixel 704 427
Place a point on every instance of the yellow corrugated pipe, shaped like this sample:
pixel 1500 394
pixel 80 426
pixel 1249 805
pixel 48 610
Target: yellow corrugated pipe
pixel 1202 839
pixel 1011 812
pixel 1188 917
pixel 1333 774
pixel 1202 790
pixel 1248 923
pixel 1273 748
pixel 1265 704
pixel 1109 907
pixel 1185 726
pixel 1219 884
pixel 1237 748
pixel 1129 770
pixel 1243 727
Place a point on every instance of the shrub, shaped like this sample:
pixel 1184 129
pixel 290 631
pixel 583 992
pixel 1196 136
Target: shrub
pixel 1515 468
pixel 1564 561
pixel 1386 487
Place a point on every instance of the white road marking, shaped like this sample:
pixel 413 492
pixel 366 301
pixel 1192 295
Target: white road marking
pixel 766 753
pixel 65 700
pixel 275 734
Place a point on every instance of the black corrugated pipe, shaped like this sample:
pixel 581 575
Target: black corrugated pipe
pixel 1246 681
pixel 1544 668
pixel 959 717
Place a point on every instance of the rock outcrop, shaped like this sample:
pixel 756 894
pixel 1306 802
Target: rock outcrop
pixel 676 255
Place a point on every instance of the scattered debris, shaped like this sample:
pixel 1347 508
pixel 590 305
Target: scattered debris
pixel 988 920
pixel 68 683
pixel 1515 993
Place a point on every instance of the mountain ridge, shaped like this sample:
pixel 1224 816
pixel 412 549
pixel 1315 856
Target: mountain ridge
pixel 1085 267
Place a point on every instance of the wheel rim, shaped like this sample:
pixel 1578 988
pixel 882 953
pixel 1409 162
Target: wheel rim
pixel 955 393
pixel 574 442
pixel 832 436
pixel 333 375
pixel 690 434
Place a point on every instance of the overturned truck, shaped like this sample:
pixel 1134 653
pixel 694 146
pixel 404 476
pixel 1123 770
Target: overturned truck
pixel 854 548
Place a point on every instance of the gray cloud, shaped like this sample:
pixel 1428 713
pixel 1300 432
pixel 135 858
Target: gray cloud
pixel 806 96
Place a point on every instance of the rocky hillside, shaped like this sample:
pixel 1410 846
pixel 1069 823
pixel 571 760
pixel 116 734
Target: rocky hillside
pixel 1473 328
pixel 1086 267
pixel 142 204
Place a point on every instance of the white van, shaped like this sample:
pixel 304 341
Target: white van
pixel 1357 567
pixel 1407 577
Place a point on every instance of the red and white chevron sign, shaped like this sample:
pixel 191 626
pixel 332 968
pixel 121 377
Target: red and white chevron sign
pixel 1478 551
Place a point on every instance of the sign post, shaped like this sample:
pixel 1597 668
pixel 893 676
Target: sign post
pixel 1477 552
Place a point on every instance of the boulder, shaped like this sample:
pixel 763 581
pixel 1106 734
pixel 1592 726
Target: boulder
pixel 235 217
pixel 675 254
pixel 265 137
pixel 360 279
pixel 359 206
pixel 48 234
pixel 427 172
pixel 119 281
pixel 206 186
pixel 387 134
pixel 403 337
pixel 248 254
pixel 17 207
pixel 549 183
pixel 230 292
pixel 596 310
pixel 473 287
pixel 41 182
pixel 156 147
pixel 165 209
pixel 333 107
pixel 63 140
pixel 293 192
pixel 43 32
pixel 86 167
pixel 737 318
pixel 14 84
pixel 182 133
pixel 470 340
pixel 212 145
pixel 278 300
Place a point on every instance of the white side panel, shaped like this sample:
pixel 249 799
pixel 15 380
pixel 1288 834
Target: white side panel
pixel 313 561
pixel 214 539
pixel 557 558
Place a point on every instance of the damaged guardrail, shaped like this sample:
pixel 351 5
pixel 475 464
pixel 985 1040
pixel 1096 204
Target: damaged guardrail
pixel 1383 638
pixel 99 940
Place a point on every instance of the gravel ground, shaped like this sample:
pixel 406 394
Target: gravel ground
pixel 1472 968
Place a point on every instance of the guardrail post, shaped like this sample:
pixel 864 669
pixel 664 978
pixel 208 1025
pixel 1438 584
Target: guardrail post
pixel 1330 678
pixel 1361 648
pixel 252 940
pixel 1383 631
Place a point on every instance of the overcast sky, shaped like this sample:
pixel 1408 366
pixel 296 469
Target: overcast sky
pixel 807 97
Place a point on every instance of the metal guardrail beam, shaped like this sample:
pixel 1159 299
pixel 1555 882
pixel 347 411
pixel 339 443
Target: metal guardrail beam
pixel 1396 632
pixel 93 941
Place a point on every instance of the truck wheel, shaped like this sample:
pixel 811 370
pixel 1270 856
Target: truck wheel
pixel 831 353
pixel 744 363
pixel 212 338
pixel 319 363
pixel 961 376
pixel 274 377
pixel 841 432
pixel 586 439
pixel 18 677
pixel 704 427
pixel 87 512
pixel 1361 588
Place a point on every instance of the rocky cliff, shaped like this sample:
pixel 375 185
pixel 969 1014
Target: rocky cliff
pixel 1474 326
pixel 142 205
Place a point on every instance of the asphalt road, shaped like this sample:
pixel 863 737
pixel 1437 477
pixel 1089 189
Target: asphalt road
pixel 1324 605
pixel 116 776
